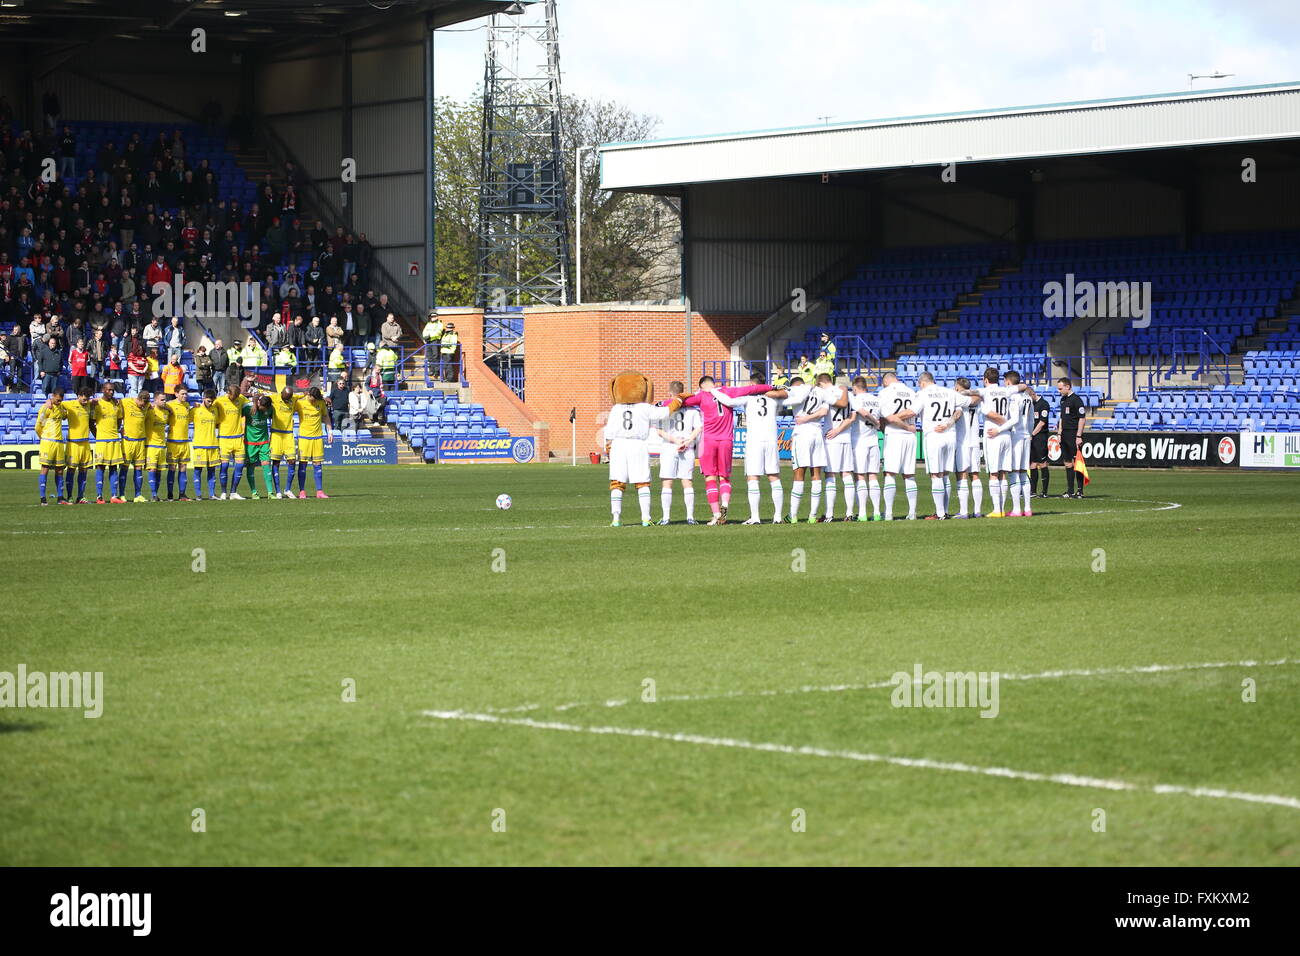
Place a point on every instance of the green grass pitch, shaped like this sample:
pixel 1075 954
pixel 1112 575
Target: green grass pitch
pixel 223 689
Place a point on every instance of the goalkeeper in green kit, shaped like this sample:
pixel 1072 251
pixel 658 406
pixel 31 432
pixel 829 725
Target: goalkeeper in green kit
pixel 257 443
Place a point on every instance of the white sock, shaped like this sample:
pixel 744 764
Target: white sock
pixel 816 497
pixel 796 498
pixel 862 496
pixel 666 501
pixel 777 499
pixel 688 492
pixel 997 494
pixel 848 496
pixel 1026 490
pixel 873 489
pixel 977 487
pixel 616 501
pixel 753 499
pixel 890 490
pixel 830 497
pixel 909 485
pixel 963 495
pixel 643 499
pixel 939 496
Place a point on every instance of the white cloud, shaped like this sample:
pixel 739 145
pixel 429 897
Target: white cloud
pixel 706 66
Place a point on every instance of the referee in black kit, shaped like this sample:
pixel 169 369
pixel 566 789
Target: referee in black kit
pixel 1038 445
pixel 1071 434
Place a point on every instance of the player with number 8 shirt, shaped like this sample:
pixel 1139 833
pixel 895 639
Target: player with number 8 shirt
pixel 625 435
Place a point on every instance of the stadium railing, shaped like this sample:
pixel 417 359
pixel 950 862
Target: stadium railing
pixel 855 356
pixel 1178 346
pixel 732 371
pixel 436 366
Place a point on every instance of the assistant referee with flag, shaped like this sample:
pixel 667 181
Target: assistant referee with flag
pixel 1072 414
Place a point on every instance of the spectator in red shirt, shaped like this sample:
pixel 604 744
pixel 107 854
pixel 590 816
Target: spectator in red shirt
pixel 137 368
pixel 159 272
pixel 77 359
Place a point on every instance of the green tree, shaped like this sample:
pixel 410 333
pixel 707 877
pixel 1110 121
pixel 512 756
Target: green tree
pixel 629 241
pixel 456 152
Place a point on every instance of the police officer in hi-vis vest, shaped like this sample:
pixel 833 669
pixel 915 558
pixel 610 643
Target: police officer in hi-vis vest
pixel 447 350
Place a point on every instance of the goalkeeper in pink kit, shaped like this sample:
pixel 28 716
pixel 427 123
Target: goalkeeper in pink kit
pixel 715 440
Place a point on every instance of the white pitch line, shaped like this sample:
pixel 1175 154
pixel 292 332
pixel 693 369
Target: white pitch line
pixel 922 763
pixel 879 685
pixel 1164 506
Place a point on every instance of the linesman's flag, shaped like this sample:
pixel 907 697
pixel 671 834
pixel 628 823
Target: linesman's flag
pixel 1081 468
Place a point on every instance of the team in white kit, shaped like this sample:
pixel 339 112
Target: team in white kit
pixel 835 445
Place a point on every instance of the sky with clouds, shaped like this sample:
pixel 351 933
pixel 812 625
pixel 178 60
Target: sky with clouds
pixel 708 66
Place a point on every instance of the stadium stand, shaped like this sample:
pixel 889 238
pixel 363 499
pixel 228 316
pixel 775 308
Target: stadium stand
pixel 76 254
pixel 955 310
pixel 1222 285
pixel 891 298
pixel 1268 400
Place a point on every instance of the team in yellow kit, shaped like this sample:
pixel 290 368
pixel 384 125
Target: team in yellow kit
pixel 178 442
pixel 135 429
pixel 136 434
pixel 206 416
pixel 155 451
pixel 106 414
pixel 53 452
pixel 78 456
pixel 230 439
pixel 313 423
pixel 283 448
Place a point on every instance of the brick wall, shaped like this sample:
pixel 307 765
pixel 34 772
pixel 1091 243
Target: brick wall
pixel 572 353
pixel 489 391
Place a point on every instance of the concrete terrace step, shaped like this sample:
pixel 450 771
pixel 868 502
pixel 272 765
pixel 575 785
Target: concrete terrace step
pixel 949 316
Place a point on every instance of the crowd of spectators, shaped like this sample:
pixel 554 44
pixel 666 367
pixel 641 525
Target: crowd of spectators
pixel 80 253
